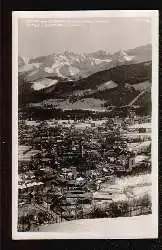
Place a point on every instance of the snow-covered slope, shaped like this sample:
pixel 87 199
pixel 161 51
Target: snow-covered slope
pixel 122 57
pixel 43 83
pixel 107 85
pixel 141 53
pixel 115 228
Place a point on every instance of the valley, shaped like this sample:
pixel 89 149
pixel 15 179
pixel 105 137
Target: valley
pixel 84 138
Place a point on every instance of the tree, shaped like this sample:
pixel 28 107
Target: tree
pixel 114 210
pixel 110 124
pixel 99 213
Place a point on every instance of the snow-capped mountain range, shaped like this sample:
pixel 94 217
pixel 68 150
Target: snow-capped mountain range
pixel 70 81
pixel 69 66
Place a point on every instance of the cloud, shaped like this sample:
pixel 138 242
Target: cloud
pixel 62 22
pixel 143 20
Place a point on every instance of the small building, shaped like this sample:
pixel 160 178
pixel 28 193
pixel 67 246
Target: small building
pixel 131 163
pixel 102 196
pixel 92 124
pixel 124 162
pixel 74 172
pixel 141 127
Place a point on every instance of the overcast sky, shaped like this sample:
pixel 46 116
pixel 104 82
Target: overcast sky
pixel 46 36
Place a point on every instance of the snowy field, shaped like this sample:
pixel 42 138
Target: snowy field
pixel 139 145
pixel 68 123
pixel 126 188
pixel 137 226
pixel 92 104
pixel 140 125
pixel 42 84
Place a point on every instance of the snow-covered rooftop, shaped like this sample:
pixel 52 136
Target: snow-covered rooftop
pixel 140 125
pixel 23 186
pixel 140 158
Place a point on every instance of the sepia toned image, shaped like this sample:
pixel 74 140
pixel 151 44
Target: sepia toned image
pixel 85 90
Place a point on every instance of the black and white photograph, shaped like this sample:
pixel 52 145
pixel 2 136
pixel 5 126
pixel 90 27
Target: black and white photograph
pixel 85 124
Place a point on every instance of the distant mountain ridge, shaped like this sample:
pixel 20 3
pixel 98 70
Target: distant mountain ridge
pixel 94 79
pixel 73 66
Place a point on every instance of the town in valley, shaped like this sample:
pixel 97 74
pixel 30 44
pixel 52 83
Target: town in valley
pixel 88 168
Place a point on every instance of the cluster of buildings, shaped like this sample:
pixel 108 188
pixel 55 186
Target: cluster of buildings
pixel 70 159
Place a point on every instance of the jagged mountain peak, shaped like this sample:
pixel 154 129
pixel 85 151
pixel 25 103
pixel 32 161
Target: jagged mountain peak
pixel 69 65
